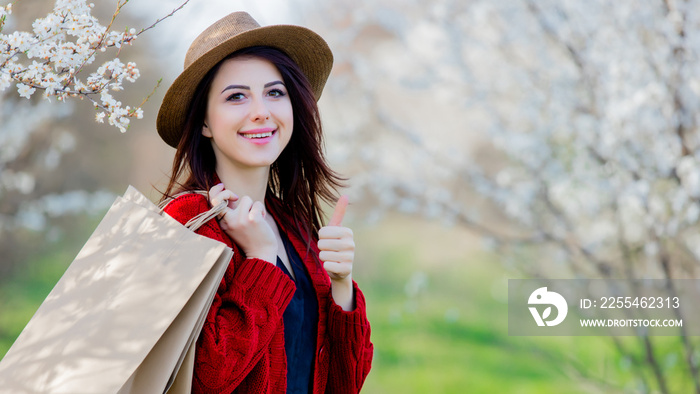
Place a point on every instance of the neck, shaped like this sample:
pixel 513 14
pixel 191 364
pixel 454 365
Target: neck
pixel 251 182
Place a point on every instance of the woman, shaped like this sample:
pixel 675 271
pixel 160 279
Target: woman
pixel 287 316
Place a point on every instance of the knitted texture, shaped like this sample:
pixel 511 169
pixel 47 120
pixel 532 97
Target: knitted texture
pixel 241 347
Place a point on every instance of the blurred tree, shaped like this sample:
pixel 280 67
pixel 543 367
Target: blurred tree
pixel 564 131
pixel 53 165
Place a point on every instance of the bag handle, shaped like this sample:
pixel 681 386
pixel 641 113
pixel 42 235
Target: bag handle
pixel 198 221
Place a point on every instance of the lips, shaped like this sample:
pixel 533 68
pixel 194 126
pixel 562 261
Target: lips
pixel 259 136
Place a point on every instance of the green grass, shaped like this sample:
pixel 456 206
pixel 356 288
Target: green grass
pixel 22 295
pixel 439 320
pixel 451 335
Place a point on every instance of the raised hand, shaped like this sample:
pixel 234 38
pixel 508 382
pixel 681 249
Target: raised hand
pixel 336 245
pixel 337 251
pixel 244 221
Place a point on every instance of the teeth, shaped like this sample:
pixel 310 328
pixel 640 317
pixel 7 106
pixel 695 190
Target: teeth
pixel 263 135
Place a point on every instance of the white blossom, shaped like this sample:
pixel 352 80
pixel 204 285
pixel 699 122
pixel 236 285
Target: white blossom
pixel 689 172
pixel 25 90
pixel 56 50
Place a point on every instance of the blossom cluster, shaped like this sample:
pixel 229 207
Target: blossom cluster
pixel 53 56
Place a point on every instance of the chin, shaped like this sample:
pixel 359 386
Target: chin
pixel 261 162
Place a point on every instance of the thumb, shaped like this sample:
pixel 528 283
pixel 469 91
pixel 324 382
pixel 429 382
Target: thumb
pixel 339 211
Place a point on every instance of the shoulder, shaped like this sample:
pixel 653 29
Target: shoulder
pixel 186 207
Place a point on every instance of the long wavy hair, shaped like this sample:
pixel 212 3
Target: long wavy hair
pixel 300 179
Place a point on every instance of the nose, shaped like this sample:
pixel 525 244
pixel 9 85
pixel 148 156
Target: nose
pixel 259 110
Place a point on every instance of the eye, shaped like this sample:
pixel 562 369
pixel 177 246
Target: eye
pixel 235 97
pixel 276 93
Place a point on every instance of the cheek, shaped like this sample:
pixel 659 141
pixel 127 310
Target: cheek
pixel 224 117
pixel 289 122
pixel 211 118
pixel 285 112
pixel 289 118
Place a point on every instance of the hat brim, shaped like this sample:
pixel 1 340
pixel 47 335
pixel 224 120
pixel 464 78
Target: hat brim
pixel 306 48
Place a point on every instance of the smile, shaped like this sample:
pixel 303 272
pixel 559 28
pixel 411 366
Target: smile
pixel 259 136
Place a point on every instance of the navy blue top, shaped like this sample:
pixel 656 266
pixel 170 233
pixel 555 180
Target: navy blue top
pixel 300 325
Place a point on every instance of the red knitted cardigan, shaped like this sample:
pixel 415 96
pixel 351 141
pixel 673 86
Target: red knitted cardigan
pixel 241 347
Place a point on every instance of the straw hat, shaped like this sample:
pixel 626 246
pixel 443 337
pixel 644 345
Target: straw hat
pixel 229 34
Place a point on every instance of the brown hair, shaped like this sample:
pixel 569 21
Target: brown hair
pixel 300 179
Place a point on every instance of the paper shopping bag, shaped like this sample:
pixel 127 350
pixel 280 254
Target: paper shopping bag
pixel 125 315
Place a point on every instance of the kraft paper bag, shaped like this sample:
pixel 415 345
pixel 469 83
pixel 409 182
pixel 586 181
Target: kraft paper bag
pixel 126 314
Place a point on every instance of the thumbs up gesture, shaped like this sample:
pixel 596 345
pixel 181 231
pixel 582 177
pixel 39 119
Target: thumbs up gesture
pixel 336 245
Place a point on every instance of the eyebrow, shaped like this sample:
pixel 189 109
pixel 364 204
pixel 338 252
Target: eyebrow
pixel 245 87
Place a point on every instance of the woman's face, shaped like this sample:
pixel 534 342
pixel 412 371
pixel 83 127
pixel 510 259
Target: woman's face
pixel 249 114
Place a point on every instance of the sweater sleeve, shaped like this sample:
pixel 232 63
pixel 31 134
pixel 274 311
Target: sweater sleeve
pixel 351 349
pixel 245 313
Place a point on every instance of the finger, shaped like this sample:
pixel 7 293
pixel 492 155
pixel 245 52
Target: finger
pixel 334 232
pixel 230 196
pixel 224 195
pixel 223 198
pixel 257 211
pixel 336 245
pixel 337 270
pixel 339 211
pixel 243 208
pixel 339 257
pixel 216 190
pixel 238 216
